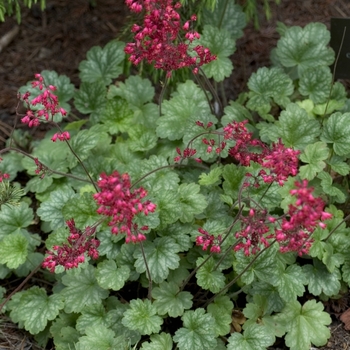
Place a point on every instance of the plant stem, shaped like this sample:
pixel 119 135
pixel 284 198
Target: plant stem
pixel 239 276
pixel 335 228
pixel 334 70
pixel 83 166
pixel 148 273
pixel 161 96
pixel 7 149
pixel 193 273
pixel 222 15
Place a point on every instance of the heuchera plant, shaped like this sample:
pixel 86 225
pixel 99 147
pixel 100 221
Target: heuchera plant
pixel 198 225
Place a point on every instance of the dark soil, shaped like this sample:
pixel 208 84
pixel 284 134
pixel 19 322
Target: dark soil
pixel 59 38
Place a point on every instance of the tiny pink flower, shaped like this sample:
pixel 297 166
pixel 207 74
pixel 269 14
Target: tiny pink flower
pixel 118 202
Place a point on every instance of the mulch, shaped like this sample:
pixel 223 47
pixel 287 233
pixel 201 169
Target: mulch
pixel 58 39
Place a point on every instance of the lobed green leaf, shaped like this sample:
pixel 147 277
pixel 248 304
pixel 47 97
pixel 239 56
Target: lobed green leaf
pixel 209 278
pixel 228 16
pixel 161 255
pixel 102 338
pixel 51 210
pixel 198 331
pixel 314 155
pixel 255 337
pixel 306 47
pixel 296 129
pixel 13 250
pixel 305 324
pixel 81 290
pixel 81 207
pixel 160 341
pixel 168 299
pixel 102 65
pixel 110 276
pixel 336 130
pixel 36 308
pixel 269 85
pixel 220 44
pixel 320 280
pixel 15 218
pixel 187 105
pixel 142 316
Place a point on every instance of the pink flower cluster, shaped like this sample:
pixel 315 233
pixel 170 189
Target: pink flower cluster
pixel 72 254
pixel 246 149
pixel 278 162
pixel 3 176
pixel 63 136
pixel 302 219
pixel 294 230
pixel 50 106
pixel 121 204
pixel 187 153
pixel 281 162
pixel 159 40
pixel 254 229
pixel 40 168
pixel 207 240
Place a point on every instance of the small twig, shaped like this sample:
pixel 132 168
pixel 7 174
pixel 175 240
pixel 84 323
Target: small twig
pixel 8 37
pixel 19 287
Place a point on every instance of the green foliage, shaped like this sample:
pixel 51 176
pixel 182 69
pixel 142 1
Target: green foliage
pixel 305 324
pixel 109 276
pixel 251 9
pixel 336 132
pixel 296 129
pixel 208 278
pixel 314 155
pixel 320 280
pixel 189 268
pixel 160 255
pixel 64 92
pixel 142 316
pixel 169 300
pixel 186 106
pixel 267 86
pixel 304 48
pixel 102 64
pixel 160 341
pixel 51 210
pixel 35 308
pixel 221 311
pixel 228 16
pixel 15 219
pixel 81 289
pixel 221 45
pixel 254 337
pixel 13 250
pixel 8 7
pixel 197 333
pixel 90 98
pixel 315 83
pixel 100 337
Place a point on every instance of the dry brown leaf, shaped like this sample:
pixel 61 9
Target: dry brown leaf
pixel 345 318
pixel 238 319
